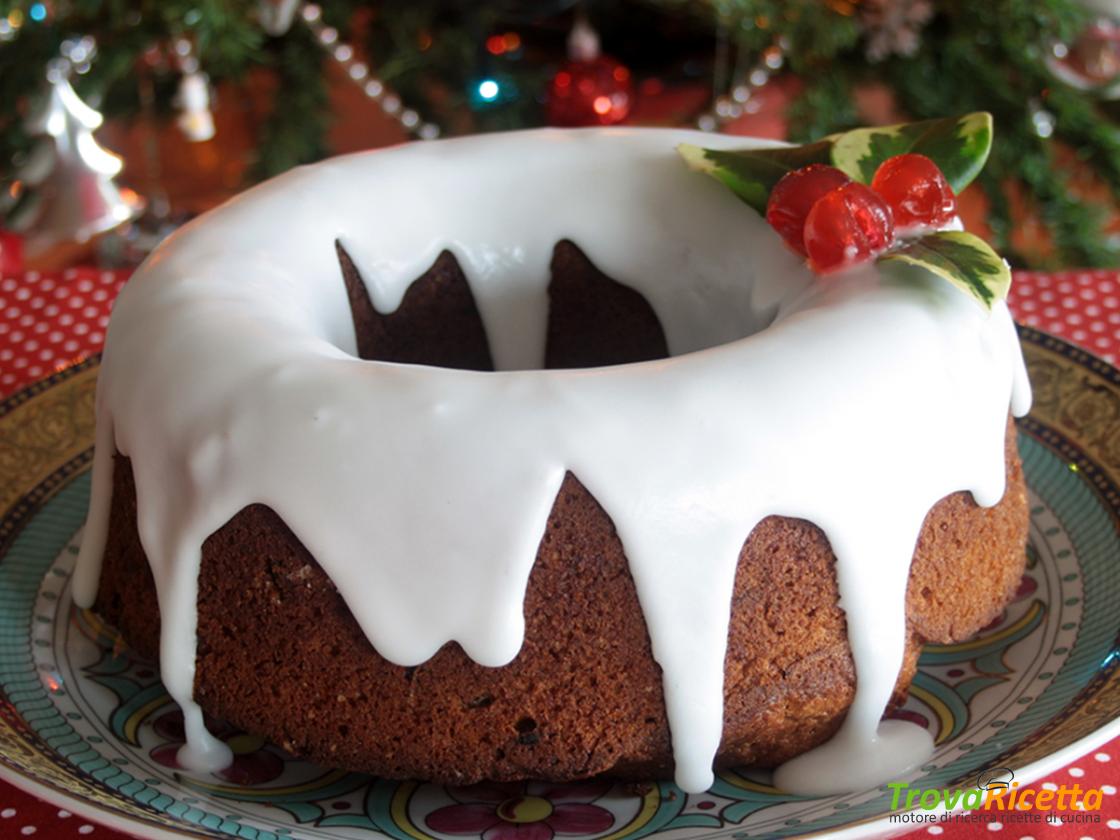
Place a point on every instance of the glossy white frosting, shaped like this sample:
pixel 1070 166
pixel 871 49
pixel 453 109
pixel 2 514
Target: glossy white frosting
pixel 228 378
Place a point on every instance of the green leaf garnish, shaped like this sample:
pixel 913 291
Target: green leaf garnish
pixel 965 260
pixel 752 173
pixel 958 145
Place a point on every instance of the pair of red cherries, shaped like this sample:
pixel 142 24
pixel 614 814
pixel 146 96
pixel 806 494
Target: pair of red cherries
pixel 837 223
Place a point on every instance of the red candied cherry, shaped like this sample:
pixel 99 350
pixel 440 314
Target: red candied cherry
pixel 849 225
pixel 794 196
pixel 916 190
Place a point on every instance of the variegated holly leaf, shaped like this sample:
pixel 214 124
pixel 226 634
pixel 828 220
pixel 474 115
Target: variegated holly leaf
pixel 752 173
pixel 958 145
pixel 965 260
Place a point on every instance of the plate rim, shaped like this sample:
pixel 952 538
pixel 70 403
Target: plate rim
pixel 96 813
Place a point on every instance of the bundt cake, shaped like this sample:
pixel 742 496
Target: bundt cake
pixel 538 456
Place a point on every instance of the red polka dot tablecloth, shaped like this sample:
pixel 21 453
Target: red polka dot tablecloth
pixel 1080 306
pixel 50 321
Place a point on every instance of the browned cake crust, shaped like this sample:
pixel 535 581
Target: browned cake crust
pixel 280 654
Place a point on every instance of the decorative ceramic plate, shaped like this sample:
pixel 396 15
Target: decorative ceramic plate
pixel 85 723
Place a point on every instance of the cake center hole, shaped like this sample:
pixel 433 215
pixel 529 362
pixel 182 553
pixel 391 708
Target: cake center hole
pixel 593 320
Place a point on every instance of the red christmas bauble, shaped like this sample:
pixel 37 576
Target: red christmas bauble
pixel 596 92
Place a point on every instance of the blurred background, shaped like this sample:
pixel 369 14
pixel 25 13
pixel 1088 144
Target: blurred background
pixel 121 120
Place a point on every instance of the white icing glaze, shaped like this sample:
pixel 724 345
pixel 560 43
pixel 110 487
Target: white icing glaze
pixel 227 378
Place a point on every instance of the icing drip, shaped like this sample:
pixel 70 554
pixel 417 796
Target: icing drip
pixel 248 392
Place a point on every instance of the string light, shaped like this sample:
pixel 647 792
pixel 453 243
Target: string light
pixel 184 54
pixel 76 54
pixel 374 88
pixel 1042 120
pixel 488 89
pixel 741 98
